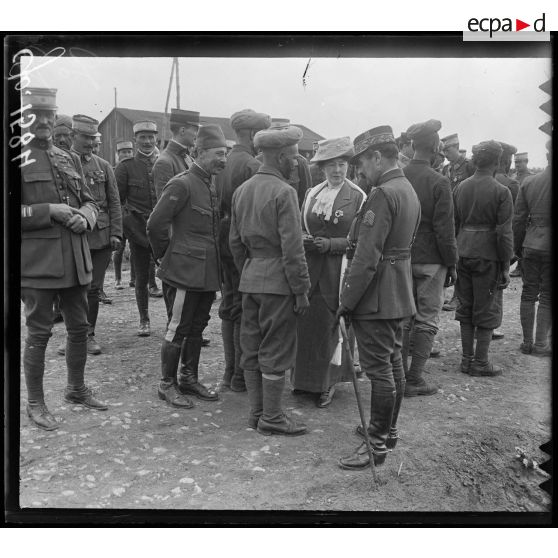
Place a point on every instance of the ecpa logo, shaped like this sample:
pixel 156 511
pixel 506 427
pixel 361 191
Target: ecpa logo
pixel 482 29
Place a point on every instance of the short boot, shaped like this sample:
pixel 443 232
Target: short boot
pixel 382 405
pixel 188 383
pixel 168 391
pixel 237 381
pixel 480 365
pixel 467 346
pixel 93 348
pixel 142 301
pixel 39 414
pixel 254 386
pixel 544 324
pixel 227 332
pixel 416 384
pixel 84 396
pixel 273 419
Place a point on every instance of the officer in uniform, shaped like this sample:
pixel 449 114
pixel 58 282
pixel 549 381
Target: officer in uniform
pixel 107 233
pixel 521 161
pixel 377 294
pixel 56 210
pixel 137 195
pixel 532 234
pixel 183 232
pixel 184 126
pixel 63 132
pixel 483 218
pixel 241 165
pixel 433 257
pixel 266 243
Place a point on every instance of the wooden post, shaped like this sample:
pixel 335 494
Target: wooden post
pixel 177 84
pixel 165 118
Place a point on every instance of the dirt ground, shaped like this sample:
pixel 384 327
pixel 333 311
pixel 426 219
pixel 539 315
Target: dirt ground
pixel 457 450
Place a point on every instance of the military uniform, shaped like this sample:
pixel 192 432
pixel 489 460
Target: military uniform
pixel 532 232
pixel 434 251
pixel 169 163
pixel 100 178
pixel 183 232
pixel 483 216
pixel 266 244
pixel 378 292
pixel 138 198
pixel 457 172
pixel 503 173
pixel 54 262
pixel 510 183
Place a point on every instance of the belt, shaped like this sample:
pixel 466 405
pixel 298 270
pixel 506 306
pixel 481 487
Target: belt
pixel 270 252
pixel 475 228
pixel 395 255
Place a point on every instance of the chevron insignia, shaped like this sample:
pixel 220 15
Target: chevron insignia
pixel 369 217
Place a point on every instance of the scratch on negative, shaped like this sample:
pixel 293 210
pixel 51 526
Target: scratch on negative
pixel 305 72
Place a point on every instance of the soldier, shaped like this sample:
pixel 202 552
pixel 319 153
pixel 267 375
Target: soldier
pixel 266 243
pixel 433 256
pixel 107 233
pixel 405 150
pixel 97 144
pixel 503 173
pixel 483 217
pixel 137 195
pixel 439 159
pixel 124 150
pixel 458 169
pixel 57 208
pixel 521 170
pixel 241 165
pixel 184 126
pixel 63 132
pixel 532 232
pixel 189 265
pixel 377 294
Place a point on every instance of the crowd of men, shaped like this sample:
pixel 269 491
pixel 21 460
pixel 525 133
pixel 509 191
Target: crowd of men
pixel 215 218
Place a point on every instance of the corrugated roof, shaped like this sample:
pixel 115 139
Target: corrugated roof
pixel 133 115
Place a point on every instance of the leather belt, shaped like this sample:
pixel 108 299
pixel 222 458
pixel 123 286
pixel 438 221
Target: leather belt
pixel 392 257
pixel 475 228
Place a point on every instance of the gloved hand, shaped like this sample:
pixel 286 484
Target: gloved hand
pixel 308 242
pixel 322 244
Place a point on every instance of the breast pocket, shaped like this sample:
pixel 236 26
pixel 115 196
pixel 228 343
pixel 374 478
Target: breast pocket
pixel 187 265
pixel 201 218
pixel 41 253
pixel 36 187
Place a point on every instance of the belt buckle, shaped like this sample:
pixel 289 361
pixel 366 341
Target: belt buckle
pixel 392 261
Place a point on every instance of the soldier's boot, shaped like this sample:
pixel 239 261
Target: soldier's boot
pixel 481 365
pixel 93 348
pixel 382 405
pixel 33 367
pixel 527 317
pixel 188 381
pixel 416 384
pixel 544 324
pixel 405 345
pixel 76 392
pixel 168 390
pixel 237 381
pixel 254 386
pixel 467 346
pixel 142 301
pixel 273 419
pixel 227 327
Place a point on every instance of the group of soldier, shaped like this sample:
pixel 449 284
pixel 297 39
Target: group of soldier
pixel 219 219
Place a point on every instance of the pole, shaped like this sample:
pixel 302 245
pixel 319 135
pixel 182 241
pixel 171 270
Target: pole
pixel 177 83
pixel 357 394
pixel 115 98
pixel 165 118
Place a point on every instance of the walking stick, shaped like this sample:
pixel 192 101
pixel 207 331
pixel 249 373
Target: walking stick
pixel 357 394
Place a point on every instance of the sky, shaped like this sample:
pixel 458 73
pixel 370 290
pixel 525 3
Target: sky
pixel 478 98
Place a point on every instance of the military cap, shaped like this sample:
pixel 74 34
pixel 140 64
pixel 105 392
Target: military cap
pixel 63 121
pixel 39 98
pixel 145 126
pixel 507 148
pixel 521 156
pixel 124 144
pixel 98 135
pixel 249 119
pixel 210 136
pixel 332 148
pixel 85 125
pixel 423 129
pixel 280 122
pixel 381 135
pixel 184 117
pixel 276 138
pixel 452 139
pixel 490 146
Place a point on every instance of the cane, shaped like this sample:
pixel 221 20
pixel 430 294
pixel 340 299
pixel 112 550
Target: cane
pixel 357 394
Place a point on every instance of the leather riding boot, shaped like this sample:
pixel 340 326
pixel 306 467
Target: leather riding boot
pixel 188 379
pixel 544 325
pixel 405 347
pixel 76 357
pixel 382 405
pixel 38 412
pixel 480 365
pixel 273 419
pixel 167 391
pixel 416 384
pixel 254 386
pixel 237 380
pixel 142 301
pixel 34 369
pixel 467 345
pixel 227 327
pixel 527 313
pixel 392 438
